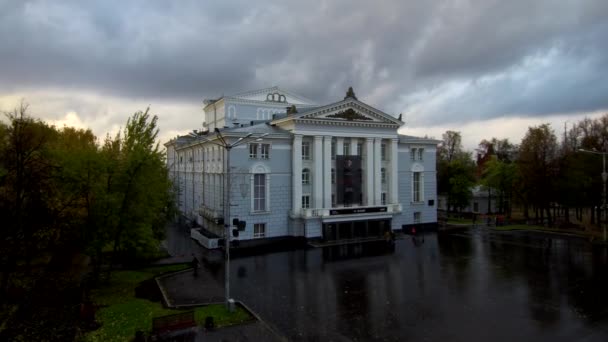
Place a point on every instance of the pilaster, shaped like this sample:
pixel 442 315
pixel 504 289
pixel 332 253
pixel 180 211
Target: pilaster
pixel 296 174
pixel 327 171
pixel 393 176
pixel 377 172
pixel 317 176
pixel 369 171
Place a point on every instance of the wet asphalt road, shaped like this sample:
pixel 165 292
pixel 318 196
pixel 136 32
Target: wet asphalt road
pixel 470 286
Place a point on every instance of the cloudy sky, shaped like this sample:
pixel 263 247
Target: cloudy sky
pixel 485 68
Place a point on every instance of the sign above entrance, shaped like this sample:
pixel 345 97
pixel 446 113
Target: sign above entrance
pixel 347 211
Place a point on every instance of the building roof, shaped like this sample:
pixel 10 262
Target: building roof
pixel 412 139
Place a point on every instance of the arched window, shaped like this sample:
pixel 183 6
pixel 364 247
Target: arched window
pixel 305 176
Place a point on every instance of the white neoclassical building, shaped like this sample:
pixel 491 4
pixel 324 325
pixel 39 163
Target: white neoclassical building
pixel 337 171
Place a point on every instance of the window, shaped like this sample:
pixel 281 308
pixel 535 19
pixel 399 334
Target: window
pixel 333 200
pixel 420 153
pixel 253 150
pixel 475 207
pixel 333 150
pixel 259 192
pixel 305 150
pixel 359 149
pixel 417 217
pixel 383 152
pixel 306 201
pixel 259 230
pixel 305 176
pixel 333 176
pixel 383 175
pixel 383 198
pixel 346 149
pixel 264 151
pixel 413 154
pixel 417 187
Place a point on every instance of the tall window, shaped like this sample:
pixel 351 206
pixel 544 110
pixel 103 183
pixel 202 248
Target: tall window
pixel 383 151
pixel 413 154
pixel 259 230
pixel 253 150
pixel 264 151
pixel 420 153
pixel 383 175
pixel 305 176
pixel 306 150
pixel 346 149
pixel 417 187
pixel 333 176
pixel 259 192
pixel 417 217
pixel 359 149
pixel 383 198
pixel 306 201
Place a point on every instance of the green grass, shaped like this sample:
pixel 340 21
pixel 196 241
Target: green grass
pixel 123 314
pixel 455 220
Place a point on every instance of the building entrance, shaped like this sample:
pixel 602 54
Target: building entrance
pixel 355 229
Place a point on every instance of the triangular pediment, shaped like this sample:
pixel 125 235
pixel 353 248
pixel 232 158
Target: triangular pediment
pixel 350 111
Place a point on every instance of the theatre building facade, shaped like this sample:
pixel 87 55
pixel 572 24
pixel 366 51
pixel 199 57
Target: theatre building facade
pixel 338 171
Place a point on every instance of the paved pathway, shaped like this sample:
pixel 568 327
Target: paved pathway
pixel 184 289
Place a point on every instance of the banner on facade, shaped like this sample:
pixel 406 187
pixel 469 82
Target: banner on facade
pixel 348 180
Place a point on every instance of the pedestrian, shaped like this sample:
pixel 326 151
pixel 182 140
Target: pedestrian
pixel 194 264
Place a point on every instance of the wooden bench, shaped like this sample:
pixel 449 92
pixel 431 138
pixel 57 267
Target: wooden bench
pixel 166 324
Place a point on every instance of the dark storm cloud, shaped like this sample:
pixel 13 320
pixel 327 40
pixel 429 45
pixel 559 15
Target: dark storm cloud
pixel 189 50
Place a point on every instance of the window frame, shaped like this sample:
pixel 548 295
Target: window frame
pixel 383 152
pixel 259 192
pixel 306 201
pixel 259 230
pixel 306 150
pixel 253 154
pixel 306 180
pixel 383 177
pixel 262 148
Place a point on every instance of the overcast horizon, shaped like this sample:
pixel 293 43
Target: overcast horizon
pixel 484 68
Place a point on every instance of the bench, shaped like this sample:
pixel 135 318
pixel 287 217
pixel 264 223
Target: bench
pixel 166 324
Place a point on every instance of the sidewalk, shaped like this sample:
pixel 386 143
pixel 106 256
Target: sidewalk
pixel 183 289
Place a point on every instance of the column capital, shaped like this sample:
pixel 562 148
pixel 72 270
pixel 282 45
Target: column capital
pixel 327 137
pixel 369 139
pixel 377 139
pixel 318 137
pixel 297 136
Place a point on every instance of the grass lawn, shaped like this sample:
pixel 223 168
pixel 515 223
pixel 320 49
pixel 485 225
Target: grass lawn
pixel 455 220
pixel 122 314
pixel 547 229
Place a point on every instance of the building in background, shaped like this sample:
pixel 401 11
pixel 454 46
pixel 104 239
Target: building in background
pixel 336 171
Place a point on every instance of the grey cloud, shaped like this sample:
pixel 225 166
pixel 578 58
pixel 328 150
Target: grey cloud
pixel 189 50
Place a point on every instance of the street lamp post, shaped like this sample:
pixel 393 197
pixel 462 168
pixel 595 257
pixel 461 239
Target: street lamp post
pixel 604 178
pixel 228 147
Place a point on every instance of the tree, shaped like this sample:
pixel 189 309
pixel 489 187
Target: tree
pixel 537 164
pixel 455 171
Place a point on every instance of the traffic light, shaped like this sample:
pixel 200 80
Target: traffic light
pixel 241 225
pixel 235 233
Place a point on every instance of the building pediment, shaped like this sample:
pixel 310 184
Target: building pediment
pixel 347 112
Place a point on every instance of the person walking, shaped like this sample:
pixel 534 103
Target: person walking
pixel 194 264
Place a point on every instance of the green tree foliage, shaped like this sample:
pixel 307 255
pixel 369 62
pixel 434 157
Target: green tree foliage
pixel 62 192
pixel 538 168
pixel 455 171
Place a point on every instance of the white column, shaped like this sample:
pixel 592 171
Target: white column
pixel 377 172
pixel 339 146
pixel 317 176
pixel 354 145
pixel 393 184
pixel 327 171
pixel 296 174
pixel 369 171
